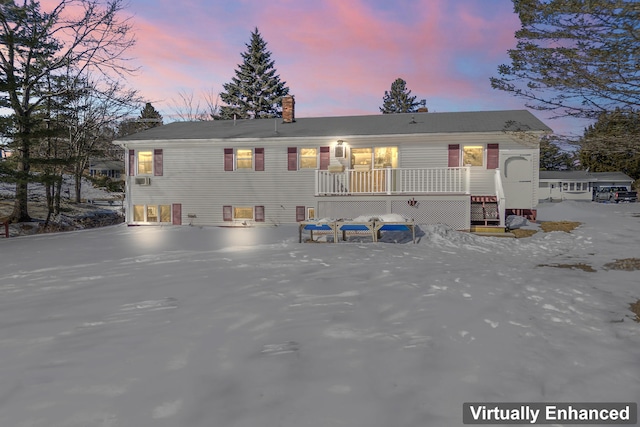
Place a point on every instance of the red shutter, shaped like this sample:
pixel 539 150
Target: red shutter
pixel 227 213
pixel 157 162
pixel 324 158
pixel 493 156
pixel 292 158
pixel 132 162
pixel 259 159
pixel 228 159
pixel 176 214
pixel 454 155
pixel 259 213
pixel 300 213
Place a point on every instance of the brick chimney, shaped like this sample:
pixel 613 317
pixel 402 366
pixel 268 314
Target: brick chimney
pixel 423 110
pixel 288 109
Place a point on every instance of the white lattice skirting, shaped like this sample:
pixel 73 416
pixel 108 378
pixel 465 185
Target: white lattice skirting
pixel 456 213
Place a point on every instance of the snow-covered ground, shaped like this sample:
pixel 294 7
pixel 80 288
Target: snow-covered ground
pixel 187 326
pixel 103 204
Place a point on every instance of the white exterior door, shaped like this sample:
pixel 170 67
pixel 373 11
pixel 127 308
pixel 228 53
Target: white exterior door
pixel 518 181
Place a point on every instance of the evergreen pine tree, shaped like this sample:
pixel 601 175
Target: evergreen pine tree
pixel 256 90
pixel 399 99
pixel 553 157
pixel 612 144
pixel 575 58
pixel 149 117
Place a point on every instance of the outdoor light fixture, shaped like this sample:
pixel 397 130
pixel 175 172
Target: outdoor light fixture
pixel 340 142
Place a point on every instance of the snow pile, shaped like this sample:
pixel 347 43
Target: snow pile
pixel 381 218
pixel 514 222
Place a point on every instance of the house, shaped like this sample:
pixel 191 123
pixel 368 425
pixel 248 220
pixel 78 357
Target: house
pixel 578 185
pixel 104 167
pixel 458 169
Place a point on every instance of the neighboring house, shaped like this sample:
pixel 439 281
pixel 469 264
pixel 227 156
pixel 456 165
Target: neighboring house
pixel 109 168
pixel 578 185
pixel 453 168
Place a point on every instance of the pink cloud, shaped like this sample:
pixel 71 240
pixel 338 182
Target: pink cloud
pixel 337 57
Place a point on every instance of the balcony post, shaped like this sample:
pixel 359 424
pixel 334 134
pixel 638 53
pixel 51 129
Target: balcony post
pixel 389 180
pixel 317 180
pixel 467 181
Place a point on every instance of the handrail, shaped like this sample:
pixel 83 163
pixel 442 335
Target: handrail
pixel 393 181
pixel 500 197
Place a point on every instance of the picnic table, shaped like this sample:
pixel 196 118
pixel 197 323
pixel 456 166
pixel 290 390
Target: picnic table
pixel 344 227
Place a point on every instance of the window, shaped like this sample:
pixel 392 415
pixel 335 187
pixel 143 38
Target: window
pixel 361 158
pixel 165 213
pixel 311 213
pixel 138 213
pixel 385 157
pixel 148 162
pixel 145 162
pixel 242 213
pixel 571 186
pixel 473 155
pixel 308 158
pixel 152 213
pixel 244 158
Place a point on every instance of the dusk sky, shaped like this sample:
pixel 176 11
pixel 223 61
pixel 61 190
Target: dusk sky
pixel 337 57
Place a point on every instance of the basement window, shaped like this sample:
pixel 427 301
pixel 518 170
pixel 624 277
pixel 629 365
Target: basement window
pixel 243 213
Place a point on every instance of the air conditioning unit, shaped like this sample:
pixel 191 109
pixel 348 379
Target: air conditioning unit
pixel 145 180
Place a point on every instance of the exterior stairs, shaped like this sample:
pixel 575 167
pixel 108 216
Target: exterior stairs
pixel 485 215
pixel 484 210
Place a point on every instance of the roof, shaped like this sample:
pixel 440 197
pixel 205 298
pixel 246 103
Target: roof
pixel 586 176
pixel 107 165
pixel 380 124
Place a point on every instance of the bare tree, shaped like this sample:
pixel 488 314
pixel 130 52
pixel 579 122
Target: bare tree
pixel 96 114
pixel 75 37
pixel 188 108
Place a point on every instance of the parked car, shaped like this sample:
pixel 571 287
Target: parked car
pixel 616 194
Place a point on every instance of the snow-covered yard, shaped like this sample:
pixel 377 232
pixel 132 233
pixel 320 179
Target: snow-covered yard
pixel 186 326
pixel 100 206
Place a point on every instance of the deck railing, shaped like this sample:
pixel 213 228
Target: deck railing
pixel 393 181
